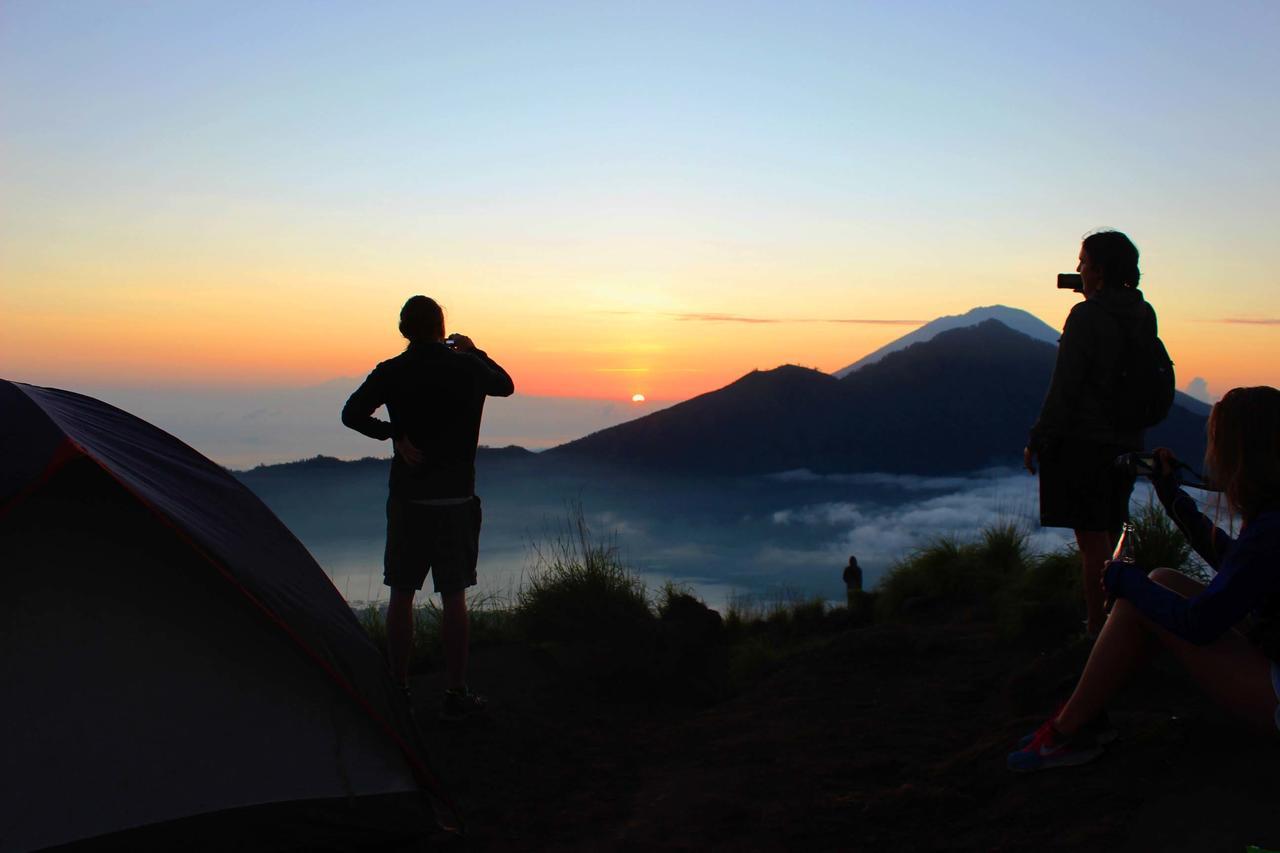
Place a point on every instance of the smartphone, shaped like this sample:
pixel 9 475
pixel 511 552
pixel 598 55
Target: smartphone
pixel 1070 281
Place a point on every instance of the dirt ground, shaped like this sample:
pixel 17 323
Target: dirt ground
pixel 883 738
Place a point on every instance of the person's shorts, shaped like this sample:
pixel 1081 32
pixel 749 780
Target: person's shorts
pixel 441 539
pixel 1080 486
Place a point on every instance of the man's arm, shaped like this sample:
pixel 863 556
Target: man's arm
pixel 358 412
pixel 498 382
pixel 495 381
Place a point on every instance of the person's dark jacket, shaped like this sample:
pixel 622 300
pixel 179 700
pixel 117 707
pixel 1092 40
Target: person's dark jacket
pixel 1084 387
pixel 434 396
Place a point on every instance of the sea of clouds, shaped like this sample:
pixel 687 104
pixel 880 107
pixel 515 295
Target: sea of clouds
pixel 880 533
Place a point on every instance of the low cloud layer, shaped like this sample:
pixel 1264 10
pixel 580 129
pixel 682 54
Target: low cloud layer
pixel 881 534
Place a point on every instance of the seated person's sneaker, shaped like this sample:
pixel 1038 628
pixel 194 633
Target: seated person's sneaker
pixel 1100 727
pixel 1050 748
pixel 459 704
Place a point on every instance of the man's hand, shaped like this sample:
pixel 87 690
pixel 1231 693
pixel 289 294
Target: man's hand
pixel 1029 459
pixel 462 343
pixel 407 451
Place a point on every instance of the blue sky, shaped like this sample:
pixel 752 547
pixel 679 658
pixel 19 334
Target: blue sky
pixel 535 162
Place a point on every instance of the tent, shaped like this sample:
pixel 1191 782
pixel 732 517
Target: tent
pixel 178 672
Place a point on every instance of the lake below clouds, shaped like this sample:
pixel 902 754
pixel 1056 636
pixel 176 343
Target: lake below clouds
pixel 760 538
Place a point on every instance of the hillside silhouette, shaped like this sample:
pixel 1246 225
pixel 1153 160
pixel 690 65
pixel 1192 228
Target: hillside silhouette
pixel 959 402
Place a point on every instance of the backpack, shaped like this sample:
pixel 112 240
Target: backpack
pixel 1144 383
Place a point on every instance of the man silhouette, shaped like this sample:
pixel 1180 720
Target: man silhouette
pixel 434 393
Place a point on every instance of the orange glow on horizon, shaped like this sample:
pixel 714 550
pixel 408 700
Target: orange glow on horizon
pixel 256 335
pixel 76 350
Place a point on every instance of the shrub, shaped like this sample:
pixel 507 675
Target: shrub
pixel 1002 548
pixel 1043 601
pixel 580 590
pixel 673 596
pixel 936 570
pixel 782 614
pixel 946 572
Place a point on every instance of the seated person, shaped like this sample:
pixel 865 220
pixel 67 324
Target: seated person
pixel 1226 634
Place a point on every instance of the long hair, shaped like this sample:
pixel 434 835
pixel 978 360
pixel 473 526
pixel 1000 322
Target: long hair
pixel 1243 452
pixel 1115 257
pixel 422 319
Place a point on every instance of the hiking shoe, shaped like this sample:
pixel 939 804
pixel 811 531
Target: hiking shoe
pixel 1099 727
pixel 461 705
pixel 1050 748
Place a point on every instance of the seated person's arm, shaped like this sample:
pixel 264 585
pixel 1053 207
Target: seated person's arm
pixel 1246 578
pixel 1208 540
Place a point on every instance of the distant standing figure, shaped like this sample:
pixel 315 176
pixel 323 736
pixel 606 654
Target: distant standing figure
pixel 1076 438
pixel 859 602
pixel 434 393
pixel 852 577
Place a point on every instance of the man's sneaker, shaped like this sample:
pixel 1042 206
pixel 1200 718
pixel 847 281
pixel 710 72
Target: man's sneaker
pixel 461 705
pixel 1050 748
pixel 1099 727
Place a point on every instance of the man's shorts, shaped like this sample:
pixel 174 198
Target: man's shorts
pixel 441 539
pixel 1080 486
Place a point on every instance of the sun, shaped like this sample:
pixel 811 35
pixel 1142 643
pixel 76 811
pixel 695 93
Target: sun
pixel 637 398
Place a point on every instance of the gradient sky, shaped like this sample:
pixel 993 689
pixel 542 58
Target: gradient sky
pixel 623 198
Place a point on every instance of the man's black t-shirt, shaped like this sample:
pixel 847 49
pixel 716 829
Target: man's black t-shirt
pixel 434 396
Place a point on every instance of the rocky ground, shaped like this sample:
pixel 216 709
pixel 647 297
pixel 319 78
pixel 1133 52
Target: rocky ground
pixel 882 738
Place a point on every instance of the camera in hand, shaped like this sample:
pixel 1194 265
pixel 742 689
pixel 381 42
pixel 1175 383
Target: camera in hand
pixel 1071 281
pixel 1137 464
pixel 1144 465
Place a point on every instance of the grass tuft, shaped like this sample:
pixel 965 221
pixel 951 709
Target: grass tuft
pixel 1160 543
pixel 579 589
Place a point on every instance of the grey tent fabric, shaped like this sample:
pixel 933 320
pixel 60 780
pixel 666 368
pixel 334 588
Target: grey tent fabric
pixel 167 647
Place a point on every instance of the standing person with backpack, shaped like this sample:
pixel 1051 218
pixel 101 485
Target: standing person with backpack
pixel 1112 379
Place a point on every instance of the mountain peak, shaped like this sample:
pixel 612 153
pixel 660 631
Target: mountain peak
pixel 1015 318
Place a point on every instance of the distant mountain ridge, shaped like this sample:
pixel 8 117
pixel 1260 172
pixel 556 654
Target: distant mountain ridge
pixel 1015 318
pixel 960 401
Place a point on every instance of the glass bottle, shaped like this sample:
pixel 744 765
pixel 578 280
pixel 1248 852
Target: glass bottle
pixel 1126 552
pixel 1126 546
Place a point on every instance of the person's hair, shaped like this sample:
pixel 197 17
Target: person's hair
pixel 1243 452
pixel 1115 257
pixel 422 319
